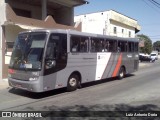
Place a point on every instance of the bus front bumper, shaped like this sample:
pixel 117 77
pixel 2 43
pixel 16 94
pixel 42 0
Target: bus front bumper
pixel 32 86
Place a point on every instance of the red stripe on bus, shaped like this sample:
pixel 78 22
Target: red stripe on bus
pixel 117 66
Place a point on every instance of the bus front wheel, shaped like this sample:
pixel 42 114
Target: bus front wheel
pixel 121 73
pixel 72 82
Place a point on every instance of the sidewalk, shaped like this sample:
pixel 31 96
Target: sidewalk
pixel 144 64
pixel 4 84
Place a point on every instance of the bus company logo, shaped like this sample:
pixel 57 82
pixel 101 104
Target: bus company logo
pixel 6 114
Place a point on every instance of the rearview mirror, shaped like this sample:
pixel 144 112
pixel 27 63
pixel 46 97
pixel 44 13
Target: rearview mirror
pixel 50 64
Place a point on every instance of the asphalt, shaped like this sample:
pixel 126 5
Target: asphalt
pixel 4 82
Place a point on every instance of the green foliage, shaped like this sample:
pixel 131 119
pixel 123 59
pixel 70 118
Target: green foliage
pixel 147 44
pixel 156 45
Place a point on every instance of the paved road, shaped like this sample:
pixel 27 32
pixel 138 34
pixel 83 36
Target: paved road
pixel 139 91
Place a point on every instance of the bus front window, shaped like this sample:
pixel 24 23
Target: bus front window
pixel 28 51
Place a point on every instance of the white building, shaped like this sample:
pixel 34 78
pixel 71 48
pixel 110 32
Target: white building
pixel 108 23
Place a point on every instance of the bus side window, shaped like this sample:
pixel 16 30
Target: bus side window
pixel 52 48
pixel 112 46
pixel 84 44
pixel 93 45
pixel 50 51
pixel 105 46
pixel 96 45
pixel 130 46
pixel 136 46
pixel 79 44
pixel 75 42
pixel 122 46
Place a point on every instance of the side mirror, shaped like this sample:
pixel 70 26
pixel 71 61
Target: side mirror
pixel 50 64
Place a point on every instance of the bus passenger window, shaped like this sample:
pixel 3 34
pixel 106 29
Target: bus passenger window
pixel 93 46
pixel 112 46
pixel 105 46
pixel 122 46
pixel 75 42
pixel 118 49
pixel 74 48
pixel 79 44
pixel 130 46
pixel 52 49
pixel 96 45
pixel 84 44
pixel 136 46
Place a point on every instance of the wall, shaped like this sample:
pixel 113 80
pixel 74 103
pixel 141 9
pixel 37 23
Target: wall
pixel 93 23
pixel 63 16
pixel 36 11
pixel 119 27
pixel 2 39
pixel 2 2
pixel 104 23
pixel 11 32
pixel 1 55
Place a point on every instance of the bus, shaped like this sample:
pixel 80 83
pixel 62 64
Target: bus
pixel 44 60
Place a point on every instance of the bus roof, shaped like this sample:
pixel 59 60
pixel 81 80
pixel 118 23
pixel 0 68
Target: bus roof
pixel 74 32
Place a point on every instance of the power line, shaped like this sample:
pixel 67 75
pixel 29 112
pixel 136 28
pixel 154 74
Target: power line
pixel 150 6
pixel 155 3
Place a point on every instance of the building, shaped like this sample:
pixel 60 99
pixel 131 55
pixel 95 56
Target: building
pixel 108 23
pixel 20 15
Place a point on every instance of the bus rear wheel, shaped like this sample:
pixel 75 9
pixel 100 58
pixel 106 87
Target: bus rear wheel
pixel 121 73
pixel 72 82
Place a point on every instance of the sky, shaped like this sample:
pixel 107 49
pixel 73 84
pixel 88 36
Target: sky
pixel 144 11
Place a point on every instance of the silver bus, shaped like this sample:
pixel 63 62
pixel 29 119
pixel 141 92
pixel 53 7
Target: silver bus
pixel 44 60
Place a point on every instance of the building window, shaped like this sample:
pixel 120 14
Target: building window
pixel 115 30
pixel 122 30
pixel 129 33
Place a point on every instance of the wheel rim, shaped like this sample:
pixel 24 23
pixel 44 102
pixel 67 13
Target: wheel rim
pixel 121 74
pixel 73 82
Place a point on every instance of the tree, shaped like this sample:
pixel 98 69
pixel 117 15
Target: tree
pixel 147 44
pixel 156 46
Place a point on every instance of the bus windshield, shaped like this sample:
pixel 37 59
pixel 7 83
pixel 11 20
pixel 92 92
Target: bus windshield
pixel 28 51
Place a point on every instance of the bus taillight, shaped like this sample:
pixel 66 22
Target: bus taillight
pixel 11 71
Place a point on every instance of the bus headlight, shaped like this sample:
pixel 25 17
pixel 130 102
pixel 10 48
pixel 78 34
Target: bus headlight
pixel 33 78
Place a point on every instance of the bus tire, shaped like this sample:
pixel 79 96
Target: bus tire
pixel 72 82
pixel 121 73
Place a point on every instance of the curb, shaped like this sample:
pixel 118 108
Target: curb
pixel 4 84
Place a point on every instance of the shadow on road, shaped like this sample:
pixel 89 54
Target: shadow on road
pixel 58 91
pixel 109 112
pixel 36 95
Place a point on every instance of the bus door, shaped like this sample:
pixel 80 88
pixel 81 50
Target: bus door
pixel 55 57
pixel 56 53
